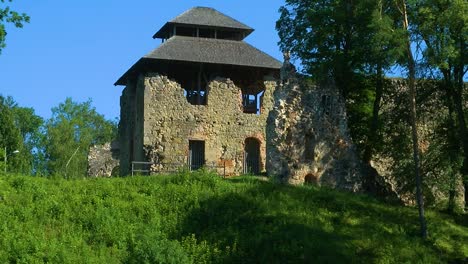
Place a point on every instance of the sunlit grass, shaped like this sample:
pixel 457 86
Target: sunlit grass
pixel 202 218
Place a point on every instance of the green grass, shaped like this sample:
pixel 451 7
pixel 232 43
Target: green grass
pixel 201 218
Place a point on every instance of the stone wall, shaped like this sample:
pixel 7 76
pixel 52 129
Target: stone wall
pixel 308 139
pixel 301 128
pixel 103 160
pixel 159 121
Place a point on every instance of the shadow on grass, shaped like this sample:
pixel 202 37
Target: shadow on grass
pixel 256 236
pixel 272 223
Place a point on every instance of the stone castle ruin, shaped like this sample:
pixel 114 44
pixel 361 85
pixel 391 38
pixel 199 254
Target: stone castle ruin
pixel 205 97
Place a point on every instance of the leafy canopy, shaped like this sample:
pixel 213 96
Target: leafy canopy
pixel 9 16
pixel 71 130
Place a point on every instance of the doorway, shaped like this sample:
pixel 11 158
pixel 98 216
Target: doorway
pixel 252 156
pixel 196 157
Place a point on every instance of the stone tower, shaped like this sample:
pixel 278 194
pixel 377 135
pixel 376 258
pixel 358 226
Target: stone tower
pixel 201 98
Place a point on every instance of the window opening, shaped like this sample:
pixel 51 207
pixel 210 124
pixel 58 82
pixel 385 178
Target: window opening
pixel 326 104
pixel 309 147
pixel 252 101
pixel 206 33
pixel 195 87
pixel 186 31
pixel 229 35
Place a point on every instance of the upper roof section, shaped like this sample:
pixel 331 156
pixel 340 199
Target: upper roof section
pixel 204 18
pixel 207 51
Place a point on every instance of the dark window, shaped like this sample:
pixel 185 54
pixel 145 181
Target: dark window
pixel 230 35
pixel 206 33
pixel 309 147
pixel 195 88
pixel 186 31
pixel 196 157
pixel 326 104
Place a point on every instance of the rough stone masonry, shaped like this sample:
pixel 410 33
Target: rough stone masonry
pixel 168 123
pixel 301 129
pixel 307 135
pixel 207 98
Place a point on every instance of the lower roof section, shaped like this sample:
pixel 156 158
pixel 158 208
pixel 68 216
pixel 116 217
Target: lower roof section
pixel 198 51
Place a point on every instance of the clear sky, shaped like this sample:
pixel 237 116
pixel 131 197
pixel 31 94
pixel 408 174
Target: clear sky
pixel 80 48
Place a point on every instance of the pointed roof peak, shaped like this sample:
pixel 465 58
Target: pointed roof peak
pixel 206 17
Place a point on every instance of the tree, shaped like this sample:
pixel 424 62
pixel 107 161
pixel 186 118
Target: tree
pixel 9 16
pixel 344 39
pixel 10 137
pixel 443 26
pixel 327 37
pixel 71 130
pixel 24 132
pixel 411 66
pixel 384 49
pixel 30 126
pixel 353 43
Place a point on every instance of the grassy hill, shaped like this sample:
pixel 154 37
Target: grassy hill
pixel 201 218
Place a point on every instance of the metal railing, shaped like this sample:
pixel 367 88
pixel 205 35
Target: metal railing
pixel 146 168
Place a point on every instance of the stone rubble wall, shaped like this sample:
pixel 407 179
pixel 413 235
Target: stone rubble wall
pixel 103 160
pixel 308 139
pixel 170 121
pixel 302 129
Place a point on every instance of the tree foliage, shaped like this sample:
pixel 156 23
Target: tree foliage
pixel 71 130
pixel 10 137
pixel 443 27
pixel 9 16
pixel 20 131
pixel 355 43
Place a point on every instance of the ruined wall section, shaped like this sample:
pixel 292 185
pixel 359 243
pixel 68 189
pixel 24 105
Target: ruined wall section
pixel 170 121
pixel 126 127
pixel 308 137
pixel 104 160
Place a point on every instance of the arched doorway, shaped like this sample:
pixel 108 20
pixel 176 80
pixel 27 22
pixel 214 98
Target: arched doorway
pixel 252 156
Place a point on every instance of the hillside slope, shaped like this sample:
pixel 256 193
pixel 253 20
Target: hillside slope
pixel 201 218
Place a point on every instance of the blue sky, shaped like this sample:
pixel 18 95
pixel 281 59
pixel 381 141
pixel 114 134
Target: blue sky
pixel 79 49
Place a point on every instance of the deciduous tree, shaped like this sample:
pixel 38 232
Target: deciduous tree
pixel 71 130
pixel 443 26
pixel 9 16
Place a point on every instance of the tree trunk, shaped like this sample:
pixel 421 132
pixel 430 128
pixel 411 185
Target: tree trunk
pixel 462 130
pixel 414 131
pixel 452 144
pixel 374 125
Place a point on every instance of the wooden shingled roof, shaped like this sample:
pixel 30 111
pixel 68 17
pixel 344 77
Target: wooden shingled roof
pixel 212 51
pixel 188 51
pixel 204 16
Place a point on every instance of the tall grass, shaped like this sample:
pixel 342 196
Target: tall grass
pixel 201 218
